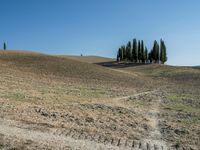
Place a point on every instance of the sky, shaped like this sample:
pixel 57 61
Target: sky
pixel 100 27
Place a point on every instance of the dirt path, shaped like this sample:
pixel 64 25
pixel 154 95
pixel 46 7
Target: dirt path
pixel 155 135
pixel 134 95
pixel 152 115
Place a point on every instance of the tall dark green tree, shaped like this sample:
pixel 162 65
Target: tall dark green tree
pixel 124 52
pixel 135 51
pixel 163 53
pixel 119 55
pixel 142 52
pixel 150 56
pixel 128 51
pixel 146 55
pixel 139 51
pixel 4 46
pixel 155 52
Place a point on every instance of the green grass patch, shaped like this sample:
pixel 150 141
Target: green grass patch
pixel 177 97
pixel 187 100
pixel 185 104
pixel 15 96
pixel 178 106
pixel 190 121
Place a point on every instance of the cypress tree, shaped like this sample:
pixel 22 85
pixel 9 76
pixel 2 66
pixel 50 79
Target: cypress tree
pixel 4 46
pixel 155 52
pixel 139 51
pixel 124 52
pixel 128 51
pixel 119 56
pixel 135 51
pixel 151 56
pixel 161 50
pixel 142 52
pixel 163 53
pixel 146 55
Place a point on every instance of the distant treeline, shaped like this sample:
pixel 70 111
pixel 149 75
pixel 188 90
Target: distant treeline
pixel 137 52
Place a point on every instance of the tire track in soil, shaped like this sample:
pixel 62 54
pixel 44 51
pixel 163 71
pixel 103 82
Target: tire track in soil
pixel 71 140
pixel 8 129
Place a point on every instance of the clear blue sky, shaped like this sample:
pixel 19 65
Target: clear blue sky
pixel 99 27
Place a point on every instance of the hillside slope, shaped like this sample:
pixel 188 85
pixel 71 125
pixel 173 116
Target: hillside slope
pixel 89 59
pixel 57 66
pixel 52 102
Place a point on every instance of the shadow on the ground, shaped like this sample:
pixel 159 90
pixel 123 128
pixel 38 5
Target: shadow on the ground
pixel 114 64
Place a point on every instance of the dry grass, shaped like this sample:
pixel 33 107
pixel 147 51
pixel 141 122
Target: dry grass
pixel 89 59
pixel 62 93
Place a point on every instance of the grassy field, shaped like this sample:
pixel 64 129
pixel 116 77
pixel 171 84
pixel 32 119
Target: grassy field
pixel 67 102
pixel 89 59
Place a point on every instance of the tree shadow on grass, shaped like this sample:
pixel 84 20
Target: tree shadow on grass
pixel 114 64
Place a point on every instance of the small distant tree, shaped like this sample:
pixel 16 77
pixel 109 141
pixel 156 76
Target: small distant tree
pixel 4 46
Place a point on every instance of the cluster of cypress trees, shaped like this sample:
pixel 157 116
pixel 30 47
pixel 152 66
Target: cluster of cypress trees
pixel 137 52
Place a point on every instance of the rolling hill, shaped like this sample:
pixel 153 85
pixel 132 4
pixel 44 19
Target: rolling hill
pixel 72 102
pixel 41 64
pixel 90 59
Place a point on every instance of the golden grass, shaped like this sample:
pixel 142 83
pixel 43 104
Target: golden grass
pixel 88 59
pixel 77 88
